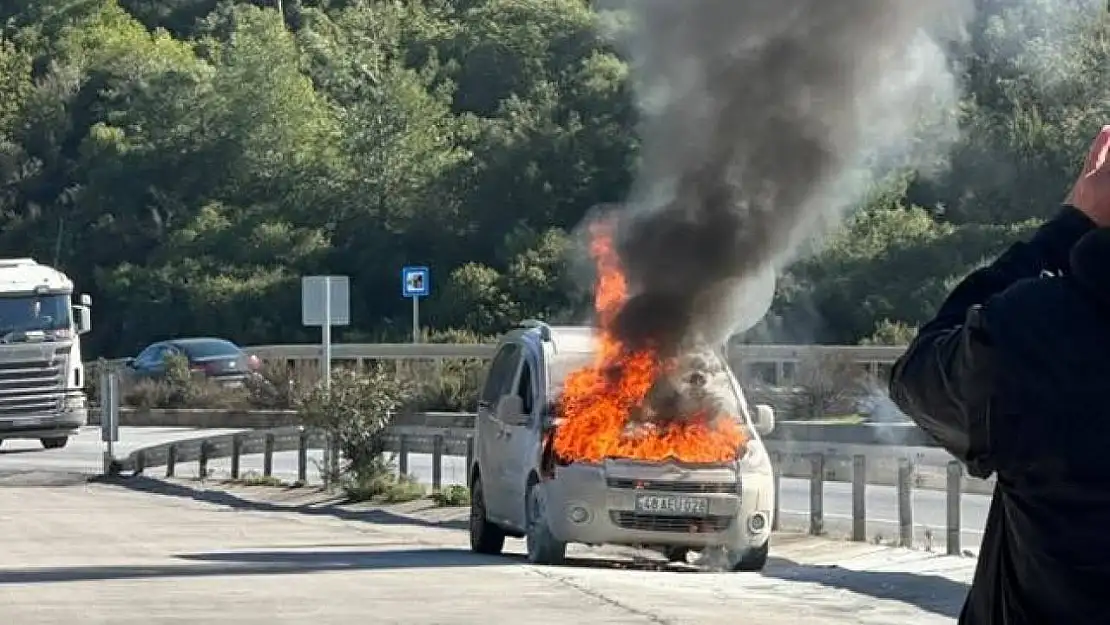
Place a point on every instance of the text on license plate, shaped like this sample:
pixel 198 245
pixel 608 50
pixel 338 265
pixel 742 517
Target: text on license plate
pixel 668 504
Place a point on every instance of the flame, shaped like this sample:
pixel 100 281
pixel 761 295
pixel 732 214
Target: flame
pixel 598 400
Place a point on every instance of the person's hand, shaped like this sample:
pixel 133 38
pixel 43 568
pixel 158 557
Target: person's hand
pixel 1091 192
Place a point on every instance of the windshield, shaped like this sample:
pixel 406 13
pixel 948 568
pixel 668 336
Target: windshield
pixel 34 313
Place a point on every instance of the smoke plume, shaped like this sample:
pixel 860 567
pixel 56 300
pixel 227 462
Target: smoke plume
pixel 759 118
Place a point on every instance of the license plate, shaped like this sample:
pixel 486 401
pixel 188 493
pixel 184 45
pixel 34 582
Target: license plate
pixel 670 504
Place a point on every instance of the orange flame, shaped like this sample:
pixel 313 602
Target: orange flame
pixel 598 399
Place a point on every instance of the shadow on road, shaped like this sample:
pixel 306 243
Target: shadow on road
pixel 21 450
pixel 288 562
pixel 932 593
pixel 257 563
pixel 224 498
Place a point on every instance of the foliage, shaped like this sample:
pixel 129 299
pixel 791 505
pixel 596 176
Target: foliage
pixel 889 332
pixel 180 388
pixel 830 384
pixel 354 411
pixel 454 495
pixel 382 487
pixel 185 161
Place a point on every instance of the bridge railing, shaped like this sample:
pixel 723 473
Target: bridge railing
pixel 443 442
pixel 774 364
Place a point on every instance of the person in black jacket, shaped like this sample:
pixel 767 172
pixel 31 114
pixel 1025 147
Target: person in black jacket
pixel 1012 377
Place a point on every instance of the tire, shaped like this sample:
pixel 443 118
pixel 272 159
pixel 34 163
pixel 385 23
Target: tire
pixel 677 554
pixel 485 536
pixel 543 548
pixel 753 560
pixel 54 442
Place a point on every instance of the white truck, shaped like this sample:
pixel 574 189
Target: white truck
pixel 41 372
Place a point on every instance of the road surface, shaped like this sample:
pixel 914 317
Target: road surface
pixel 84 455
pixel 143 552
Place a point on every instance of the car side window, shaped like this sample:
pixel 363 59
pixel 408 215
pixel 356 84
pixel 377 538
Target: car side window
pixel 500 376
pixel 149 356
pixel 524 387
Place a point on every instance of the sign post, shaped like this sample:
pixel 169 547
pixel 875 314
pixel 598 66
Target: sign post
pixel 109 417
pixel 415 284
pixel 326 302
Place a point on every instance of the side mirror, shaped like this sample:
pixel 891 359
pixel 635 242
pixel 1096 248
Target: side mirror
pixel 82 318
pixel 510 411
pixel 85 299
pixel 128 362
pixel 764 419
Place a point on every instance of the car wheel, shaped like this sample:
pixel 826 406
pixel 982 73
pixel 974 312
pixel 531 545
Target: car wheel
pixel 753 559
pixel 54 442
pixel 677 554
pixel 543 548
pixel 485 537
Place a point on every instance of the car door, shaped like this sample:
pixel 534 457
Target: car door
pixel 489 449
pixel 522 440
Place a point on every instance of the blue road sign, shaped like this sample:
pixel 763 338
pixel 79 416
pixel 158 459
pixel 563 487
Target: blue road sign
pixel 415 282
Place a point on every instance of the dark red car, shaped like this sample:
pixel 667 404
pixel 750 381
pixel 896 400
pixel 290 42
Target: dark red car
pixel 216 359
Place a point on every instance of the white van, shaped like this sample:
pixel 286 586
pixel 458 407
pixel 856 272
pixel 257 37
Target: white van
pixel 517 489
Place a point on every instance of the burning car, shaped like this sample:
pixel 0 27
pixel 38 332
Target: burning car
pixel 581 439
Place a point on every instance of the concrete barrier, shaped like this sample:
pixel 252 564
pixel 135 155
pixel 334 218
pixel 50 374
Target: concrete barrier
pixel 200 418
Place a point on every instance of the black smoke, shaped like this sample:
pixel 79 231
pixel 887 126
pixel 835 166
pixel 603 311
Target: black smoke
pixel 758 113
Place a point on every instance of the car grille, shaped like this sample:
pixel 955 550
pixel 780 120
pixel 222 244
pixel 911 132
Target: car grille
pixel 33 387
pixel 667 523
pixel 675 487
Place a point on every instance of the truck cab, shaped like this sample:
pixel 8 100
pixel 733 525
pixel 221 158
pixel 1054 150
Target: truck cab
pixel 518 490
pixel 41 371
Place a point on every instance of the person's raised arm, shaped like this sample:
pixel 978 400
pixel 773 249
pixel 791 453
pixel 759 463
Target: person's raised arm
pixel 945 379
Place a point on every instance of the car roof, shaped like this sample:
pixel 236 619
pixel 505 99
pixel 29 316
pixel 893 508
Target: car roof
pixel 570 340
pixel 199 340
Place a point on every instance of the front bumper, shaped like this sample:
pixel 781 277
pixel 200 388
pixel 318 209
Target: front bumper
pixel 65 422
pixel 596 505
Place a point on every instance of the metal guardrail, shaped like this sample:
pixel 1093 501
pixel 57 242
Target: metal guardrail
pixel 451 441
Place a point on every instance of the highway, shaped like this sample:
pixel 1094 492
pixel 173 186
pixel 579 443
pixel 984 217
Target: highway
pixel 142 552
pixel 138 550
pixel 83 455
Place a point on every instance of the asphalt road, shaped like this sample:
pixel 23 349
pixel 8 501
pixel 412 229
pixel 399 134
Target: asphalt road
pixel 145 552
pixel 84 455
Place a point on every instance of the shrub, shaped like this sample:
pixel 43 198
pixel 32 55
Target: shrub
pixel 354 412
pixel 450 385
pixel 454 495
pixel 831 383
pixel 385 488
pixel 446 386
pixel 179 388
pixel 278 386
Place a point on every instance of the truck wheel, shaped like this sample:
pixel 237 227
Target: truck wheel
pixel 543 548
pixel 754 559
pixel 677 554
pixel 54 442
pixel 485 537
